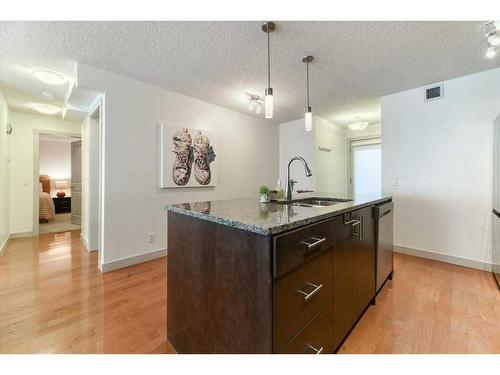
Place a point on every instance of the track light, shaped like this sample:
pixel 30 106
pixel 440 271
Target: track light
pixel 493 39
pixel 491 52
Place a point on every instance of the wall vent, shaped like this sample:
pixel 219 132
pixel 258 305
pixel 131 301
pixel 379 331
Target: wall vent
pixel 434 92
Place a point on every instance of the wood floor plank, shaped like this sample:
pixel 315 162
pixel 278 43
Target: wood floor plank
pixel 53 299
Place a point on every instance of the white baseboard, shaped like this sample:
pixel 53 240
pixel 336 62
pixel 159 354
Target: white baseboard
pixel 4 245
pixel 23 234
pixel 85 243
pixel 136 259
pixel 465 262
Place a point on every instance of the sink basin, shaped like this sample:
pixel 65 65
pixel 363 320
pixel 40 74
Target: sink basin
pixel 314 202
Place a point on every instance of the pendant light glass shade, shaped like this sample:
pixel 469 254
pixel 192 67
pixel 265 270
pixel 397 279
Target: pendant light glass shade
pixel 268 103
pixel 308 118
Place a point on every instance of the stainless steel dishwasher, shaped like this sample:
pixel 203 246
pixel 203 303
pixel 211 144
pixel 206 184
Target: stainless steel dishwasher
pixel 384 242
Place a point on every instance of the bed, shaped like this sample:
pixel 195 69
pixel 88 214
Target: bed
pixel 47 209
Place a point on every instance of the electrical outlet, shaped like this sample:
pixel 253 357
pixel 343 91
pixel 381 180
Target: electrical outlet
pixel 151 237
pixel 395 181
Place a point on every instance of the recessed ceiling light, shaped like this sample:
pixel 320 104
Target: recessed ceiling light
pixel 49 76
pixel 46 109
pixel 47 95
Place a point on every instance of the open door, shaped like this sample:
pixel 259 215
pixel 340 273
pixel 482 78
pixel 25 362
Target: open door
pixel 76 182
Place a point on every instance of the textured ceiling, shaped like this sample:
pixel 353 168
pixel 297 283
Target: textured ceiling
pixel 355 63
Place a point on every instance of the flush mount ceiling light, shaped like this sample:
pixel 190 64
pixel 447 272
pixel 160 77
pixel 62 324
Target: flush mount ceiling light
pixel 358 125
pixel 46 109
pixel 254 103
pixel 49 76
pixel 268 28
pixel 308 118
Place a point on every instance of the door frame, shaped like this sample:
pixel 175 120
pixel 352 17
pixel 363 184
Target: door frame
pixel 94 178
pixel 36 171
pixel 366 140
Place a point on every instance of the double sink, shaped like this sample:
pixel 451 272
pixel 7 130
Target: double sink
pixel 314 202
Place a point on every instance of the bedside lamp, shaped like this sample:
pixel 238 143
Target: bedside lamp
pixel 60 185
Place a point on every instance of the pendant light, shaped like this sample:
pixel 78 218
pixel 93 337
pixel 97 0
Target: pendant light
pixel 268 28
pixel 308 116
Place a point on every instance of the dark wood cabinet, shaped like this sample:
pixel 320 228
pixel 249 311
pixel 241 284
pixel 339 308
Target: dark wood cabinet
pixel 365 259
pixel 354 269
pixel 345 294
pixel 62 205
pixel 300 291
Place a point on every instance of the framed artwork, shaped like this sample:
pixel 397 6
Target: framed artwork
pixel 187 157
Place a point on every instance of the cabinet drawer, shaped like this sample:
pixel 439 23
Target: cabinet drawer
pixel 316 337
pixel 299 296
pixel 296 247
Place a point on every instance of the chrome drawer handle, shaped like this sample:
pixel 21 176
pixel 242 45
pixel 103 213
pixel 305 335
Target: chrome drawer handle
pixel 314 291
pixel 353 222
pixel 312 245
pixel 317 351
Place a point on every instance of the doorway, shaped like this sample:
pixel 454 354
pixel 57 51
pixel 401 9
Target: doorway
pixel 365 166
pixel 59 203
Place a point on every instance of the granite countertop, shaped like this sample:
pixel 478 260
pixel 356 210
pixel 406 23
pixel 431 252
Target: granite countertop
pixel 271 218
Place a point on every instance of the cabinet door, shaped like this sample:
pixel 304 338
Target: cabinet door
pixel 345 291
pixel 365 261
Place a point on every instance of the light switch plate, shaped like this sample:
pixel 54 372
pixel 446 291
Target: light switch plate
pixel 395 181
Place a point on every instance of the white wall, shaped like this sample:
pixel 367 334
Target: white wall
pixel 295 141
pixel 4 172
pixel 133 204
pixel 21 147
pixel 328 168
pixel 441 153
pixel 330 165
pixel 55 162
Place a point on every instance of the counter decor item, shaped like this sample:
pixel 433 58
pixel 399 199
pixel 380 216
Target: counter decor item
pixel 273 195
pixel 187 157
pixel 264 194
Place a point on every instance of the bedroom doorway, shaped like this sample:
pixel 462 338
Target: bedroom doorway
pixel 59 171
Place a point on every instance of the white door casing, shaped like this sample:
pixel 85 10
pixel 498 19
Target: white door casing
pixel 76 182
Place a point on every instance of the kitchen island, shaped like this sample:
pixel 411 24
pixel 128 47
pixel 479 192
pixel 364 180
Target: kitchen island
pixel 284 277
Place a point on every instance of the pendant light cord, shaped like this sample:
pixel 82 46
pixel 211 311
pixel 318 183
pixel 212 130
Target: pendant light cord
pixel 307 80
pixel 268 60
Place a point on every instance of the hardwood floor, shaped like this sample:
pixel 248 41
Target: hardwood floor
pixel 53 299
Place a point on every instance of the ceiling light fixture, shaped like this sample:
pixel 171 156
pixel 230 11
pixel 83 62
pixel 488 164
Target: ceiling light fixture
pixel 49 76
pixel 254 103
pixel 358 125
pixel 493 38
pixel 47 95
pixel 491 34
pixel 268 28
pixel 46 109
pixel 491 52
pixel 308 116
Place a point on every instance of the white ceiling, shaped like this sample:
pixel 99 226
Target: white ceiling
pixel 355 63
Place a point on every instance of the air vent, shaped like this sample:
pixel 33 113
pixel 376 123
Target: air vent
pixel 434 92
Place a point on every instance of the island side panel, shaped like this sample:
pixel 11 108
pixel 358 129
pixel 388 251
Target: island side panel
pixel 219 292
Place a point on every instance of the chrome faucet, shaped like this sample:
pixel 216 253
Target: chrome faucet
pixel 290 182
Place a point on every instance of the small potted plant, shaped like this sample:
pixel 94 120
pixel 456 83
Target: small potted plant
pixel 264 194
